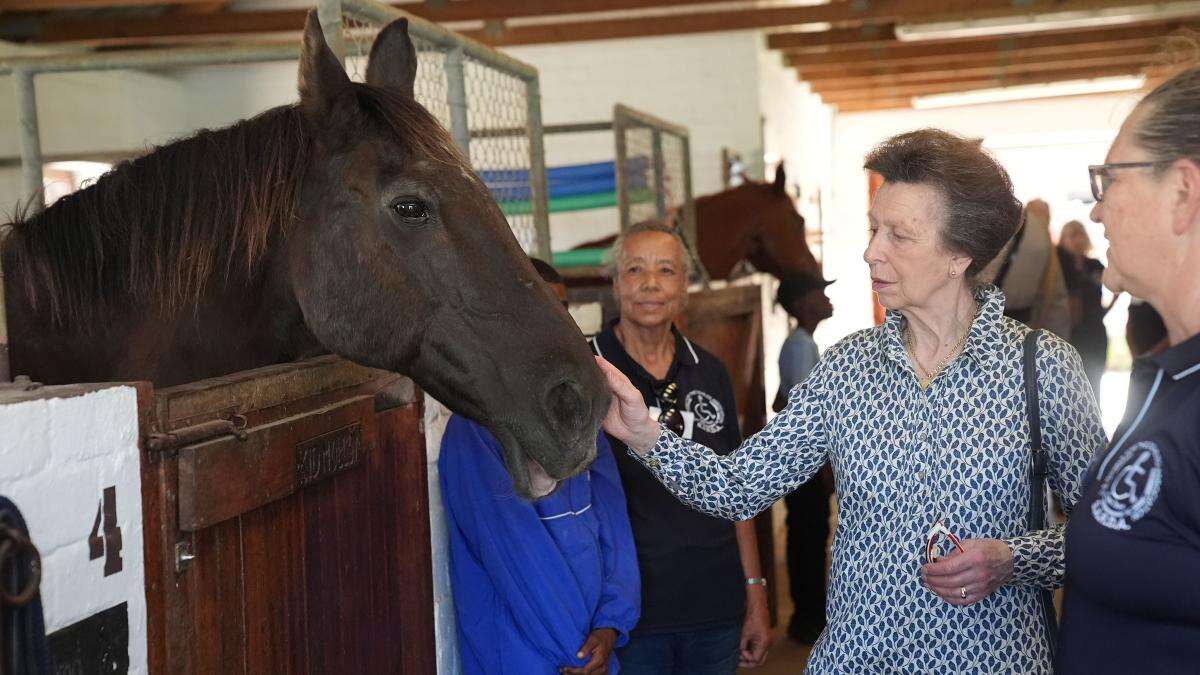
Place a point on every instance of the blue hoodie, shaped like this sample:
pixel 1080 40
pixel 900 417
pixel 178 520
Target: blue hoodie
pixel 531 580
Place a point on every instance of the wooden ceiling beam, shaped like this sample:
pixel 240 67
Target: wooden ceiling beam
pixel 876 105
pixel 994 59
pixel 150 30
pixel 840 14
pixel 912 53
pixel 458 10
pixel 858 37
pixel 205 8
pixel 982 58
pixel 474 10
pixel 112 32
pixel 957 71
pixel 1010 80
pixel 52 5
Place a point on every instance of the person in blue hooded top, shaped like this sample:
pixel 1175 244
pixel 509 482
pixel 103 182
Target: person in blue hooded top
pixel 546 586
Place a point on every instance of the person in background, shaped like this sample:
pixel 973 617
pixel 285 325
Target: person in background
pixel 802 296
pixel 542 587
pixel 1082 274
pixel 1132 599
pixel 1145 332
pixel 704 598
pixel 1028 272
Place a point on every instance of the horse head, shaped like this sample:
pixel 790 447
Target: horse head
pixel 402 260
pixel 757 222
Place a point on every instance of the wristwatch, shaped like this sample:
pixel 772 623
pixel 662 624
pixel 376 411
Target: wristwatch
pixel 760 581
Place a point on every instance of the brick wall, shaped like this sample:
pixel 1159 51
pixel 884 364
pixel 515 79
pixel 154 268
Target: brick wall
pixel 57 457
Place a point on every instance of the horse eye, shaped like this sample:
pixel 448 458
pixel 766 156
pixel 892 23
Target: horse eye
pixel 412 211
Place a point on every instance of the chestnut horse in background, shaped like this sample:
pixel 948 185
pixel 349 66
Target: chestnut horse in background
pixel 753 222
pixel 346 223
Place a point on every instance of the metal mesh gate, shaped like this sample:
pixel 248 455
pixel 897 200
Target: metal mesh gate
pixel 489 102
pixel 654 172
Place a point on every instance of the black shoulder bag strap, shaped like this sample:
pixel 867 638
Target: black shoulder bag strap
pixel 1037 474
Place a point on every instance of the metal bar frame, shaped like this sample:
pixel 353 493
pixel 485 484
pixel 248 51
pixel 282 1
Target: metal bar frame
pixel 620 150
pixel 24 70
pixel 456 100
pixel 539 193
pixel 660 199
pixel 329 14
pixel 625 118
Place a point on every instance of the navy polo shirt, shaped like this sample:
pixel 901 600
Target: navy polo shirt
pixel 691 571
pixel 1132 598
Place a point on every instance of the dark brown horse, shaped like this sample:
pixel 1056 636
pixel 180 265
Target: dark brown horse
pixel 755 222
pixel 346 223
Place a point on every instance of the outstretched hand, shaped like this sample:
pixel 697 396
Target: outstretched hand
pixel 628 419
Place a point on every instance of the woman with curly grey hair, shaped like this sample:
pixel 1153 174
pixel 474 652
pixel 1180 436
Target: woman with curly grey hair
pixel 924 421
pixel 1132 600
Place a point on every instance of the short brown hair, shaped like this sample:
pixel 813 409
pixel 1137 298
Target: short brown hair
pixel 980 211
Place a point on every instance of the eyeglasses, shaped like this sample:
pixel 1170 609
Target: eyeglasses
pixel 1100 176
pixel 670 417
pixel 931 541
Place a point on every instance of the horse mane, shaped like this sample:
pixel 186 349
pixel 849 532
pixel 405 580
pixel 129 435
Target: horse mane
pixel 156 229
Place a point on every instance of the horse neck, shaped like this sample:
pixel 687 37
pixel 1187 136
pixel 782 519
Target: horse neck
pixel 724 230
pixel 232 326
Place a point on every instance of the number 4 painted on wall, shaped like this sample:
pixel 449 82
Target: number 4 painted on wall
pixel 108 544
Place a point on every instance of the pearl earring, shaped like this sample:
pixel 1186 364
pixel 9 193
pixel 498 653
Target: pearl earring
pixel 953 273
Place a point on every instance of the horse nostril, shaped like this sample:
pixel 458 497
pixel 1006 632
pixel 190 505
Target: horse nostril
pixel 566 406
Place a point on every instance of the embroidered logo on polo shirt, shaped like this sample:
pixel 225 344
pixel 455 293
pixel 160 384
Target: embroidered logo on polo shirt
pixel 1131 487
pixel 710 416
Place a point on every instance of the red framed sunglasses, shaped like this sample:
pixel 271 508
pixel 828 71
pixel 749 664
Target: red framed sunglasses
pixel 938 531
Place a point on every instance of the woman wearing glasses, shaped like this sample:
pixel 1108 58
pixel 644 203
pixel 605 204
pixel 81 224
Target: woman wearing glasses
pixel 704 601
pixel 924 421
pixel 1132 600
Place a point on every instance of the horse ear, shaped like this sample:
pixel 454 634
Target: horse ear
pixel 393 62
pixel 324 86
pixel 780 184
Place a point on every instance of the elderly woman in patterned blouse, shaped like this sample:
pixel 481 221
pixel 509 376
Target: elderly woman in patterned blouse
pixel 924 420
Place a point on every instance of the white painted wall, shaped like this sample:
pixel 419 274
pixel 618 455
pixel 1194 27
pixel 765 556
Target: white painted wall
pixel 708 83
pixel 57 455
pixel 798 130
pixel 100 112
pixel 1012 130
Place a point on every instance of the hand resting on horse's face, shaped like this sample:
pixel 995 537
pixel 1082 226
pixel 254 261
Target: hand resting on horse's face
pixel 628 418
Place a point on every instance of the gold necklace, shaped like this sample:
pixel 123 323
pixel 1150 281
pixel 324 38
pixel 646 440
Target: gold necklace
pixel 927 374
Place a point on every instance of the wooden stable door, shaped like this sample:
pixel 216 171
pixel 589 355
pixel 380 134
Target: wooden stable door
pixel 287 526
pixel 728 323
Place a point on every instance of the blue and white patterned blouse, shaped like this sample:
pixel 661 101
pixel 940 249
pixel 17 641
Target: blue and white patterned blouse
pixel 903 458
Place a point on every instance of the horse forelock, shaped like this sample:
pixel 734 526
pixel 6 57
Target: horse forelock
pixel 411 125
